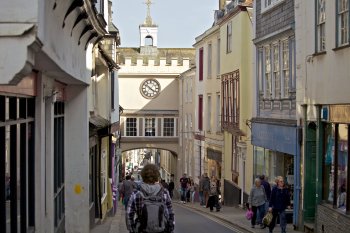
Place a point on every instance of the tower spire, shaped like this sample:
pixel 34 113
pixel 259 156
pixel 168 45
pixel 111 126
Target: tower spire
pixel 149 21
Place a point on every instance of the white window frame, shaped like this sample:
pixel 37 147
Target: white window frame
pixel 320 26
pixel 285 57
pixel 267 5
pixel 218 112
pixel 210 59
pixel 218 58
pixel 229 37
pixel 209 112
pixel 276 71
pixel 267 72
pixel 126 128
pixel 343 22
pixel 163 126
pixel 155 126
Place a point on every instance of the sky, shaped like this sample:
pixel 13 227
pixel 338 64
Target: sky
pixel 179 21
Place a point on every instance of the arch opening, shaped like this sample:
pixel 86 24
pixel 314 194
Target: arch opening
pixel 149 40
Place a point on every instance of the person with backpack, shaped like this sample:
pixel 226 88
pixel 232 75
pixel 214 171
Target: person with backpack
pixel 213 195
pixel 151 204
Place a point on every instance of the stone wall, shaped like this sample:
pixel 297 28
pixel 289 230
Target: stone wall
pixel 331 220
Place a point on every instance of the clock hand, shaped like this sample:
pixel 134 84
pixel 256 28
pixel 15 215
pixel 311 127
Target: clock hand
pixel 151 88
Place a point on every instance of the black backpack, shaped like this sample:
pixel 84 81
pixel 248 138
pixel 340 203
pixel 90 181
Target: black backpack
pixel 153 214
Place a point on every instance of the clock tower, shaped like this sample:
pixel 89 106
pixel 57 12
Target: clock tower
pixel 148 33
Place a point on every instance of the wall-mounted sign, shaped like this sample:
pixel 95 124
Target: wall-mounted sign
pixel 339 113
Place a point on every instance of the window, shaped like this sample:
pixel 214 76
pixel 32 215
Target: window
pixel 209 60
pixel 320 25
pixel 201 64
pixel 150 127
pixel 342 22
pixel 335 166
pixel 229 37
pixel 99 4
pixel 268 83
pixel 200 112
pixel 230 101
pixel 17 159
pixel 218 58
pixel 268 4
pixel 235 157
pixel 218 113
pixel 169 127
pixel 131 127
pixel 276 71
pixel 260 70
pixel 209 114
pixel 285 67
pixel 59 183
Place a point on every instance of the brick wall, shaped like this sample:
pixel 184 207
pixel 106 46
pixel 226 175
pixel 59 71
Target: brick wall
pixel 331 220
pixel 274 19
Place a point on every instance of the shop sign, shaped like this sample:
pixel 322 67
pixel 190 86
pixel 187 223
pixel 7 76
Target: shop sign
pixel 339 113
pixel 214 155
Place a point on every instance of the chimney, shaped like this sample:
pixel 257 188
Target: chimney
pixel 222 4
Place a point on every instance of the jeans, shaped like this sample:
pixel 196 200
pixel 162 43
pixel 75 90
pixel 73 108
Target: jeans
pixel 201 198
pixel 283 221
pixel 258 214
pixel 183 194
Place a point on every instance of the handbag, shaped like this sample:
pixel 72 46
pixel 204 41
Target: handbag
pixel 267 218
pixel 249 214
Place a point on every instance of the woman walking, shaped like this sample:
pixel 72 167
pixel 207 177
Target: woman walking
pixel 280 200
pixel 213 195
pixel 257 200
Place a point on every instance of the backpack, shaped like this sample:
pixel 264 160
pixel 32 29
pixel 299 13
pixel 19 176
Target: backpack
pixel 213 188
pixel 153 214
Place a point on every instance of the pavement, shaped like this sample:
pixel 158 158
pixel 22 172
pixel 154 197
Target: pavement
pixel 234 216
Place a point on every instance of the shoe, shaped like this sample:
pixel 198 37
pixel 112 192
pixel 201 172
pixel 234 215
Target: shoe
pixel 262 226
pixel 217 210
pixel 253 226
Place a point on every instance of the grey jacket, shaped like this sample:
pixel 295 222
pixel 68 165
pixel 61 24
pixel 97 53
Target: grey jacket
pixel 257 196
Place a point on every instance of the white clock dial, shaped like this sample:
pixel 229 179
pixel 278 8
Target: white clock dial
pixel 150 88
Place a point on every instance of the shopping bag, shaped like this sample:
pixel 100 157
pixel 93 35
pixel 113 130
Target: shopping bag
pixel 267 218
pixel 249 214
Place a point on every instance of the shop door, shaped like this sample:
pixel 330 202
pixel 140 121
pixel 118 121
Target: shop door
pixel 310 173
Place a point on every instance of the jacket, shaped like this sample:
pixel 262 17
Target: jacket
pixel 280 199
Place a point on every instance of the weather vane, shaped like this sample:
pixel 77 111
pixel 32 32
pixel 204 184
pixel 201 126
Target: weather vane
pixel 148 17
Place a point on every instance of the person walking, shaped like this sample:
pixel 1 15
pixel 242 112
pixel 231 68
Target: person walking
pixel 127 188
pixel 171 186
pixel 183 185
pixel 150 192
pixel 267 188
pixel 279 201
pixel 213 195
pixel 206 189
pixel 257 200
pixel 200 190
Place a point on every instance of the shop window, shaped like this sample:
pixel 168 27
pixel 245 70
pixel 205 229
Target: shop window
pixel 335 167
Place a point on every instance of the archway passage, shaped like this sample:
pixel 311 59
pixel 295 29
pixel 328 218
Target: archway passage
pixel 148 41
pixel 133 161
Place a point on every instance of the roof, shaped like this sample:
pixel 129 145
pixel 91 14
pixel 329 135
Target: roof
pixel 168 53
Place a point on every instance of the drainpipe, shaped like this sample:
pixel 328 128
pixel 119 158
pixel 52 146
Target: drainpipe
pixel 302 177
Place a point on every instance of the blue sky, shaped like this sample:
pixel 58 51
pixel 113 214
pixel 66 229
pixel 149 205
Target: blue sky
pixel 179 21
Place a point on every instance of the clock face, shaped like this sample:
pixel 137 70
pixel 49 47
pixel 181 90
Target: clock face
pixel 150 88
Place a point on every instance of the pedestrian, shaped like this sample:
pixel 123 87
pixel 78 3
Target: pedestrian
pixel 279 201
pixel 183 185
pixel 148 202
pixel 189 190
pixel 206 188
pixel 171 186
pixel 200 190
pixel 257 200
pixel 127 189
pixel 213 195
pixel 267 188
pixel 164 184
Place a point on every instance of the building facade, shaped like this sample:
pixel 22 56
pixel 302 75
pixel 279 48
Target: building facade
pixel 46 65
pixel 322 36
pixel 275 128
pixel 149 94
pixel 235 25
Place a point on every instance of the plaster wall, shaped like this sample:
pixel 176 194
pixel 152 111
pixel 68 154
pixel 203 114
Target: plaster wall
pixel 132 98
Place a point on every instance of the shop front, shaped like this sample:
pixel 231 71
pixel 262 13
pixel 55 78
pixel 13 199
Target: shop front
pixel 334 143
pixel 214 163
pixel 277 153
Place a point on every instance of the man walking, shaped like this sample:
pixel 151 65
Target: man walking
pixel 127 188
pixel 183 185
pixel 206 189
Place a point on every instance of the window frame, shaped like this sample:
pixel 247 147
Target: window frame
pixel 166 128
pixel 267 5
pixel 127 127
pixel 276 71
pixel 210 60
pixel 339 15
pixel 153 127
pixel 229 37
pixel 209 112
pixel 320 27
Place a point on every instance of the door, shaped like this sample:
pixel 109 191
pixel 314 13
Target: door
pixel 310 173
